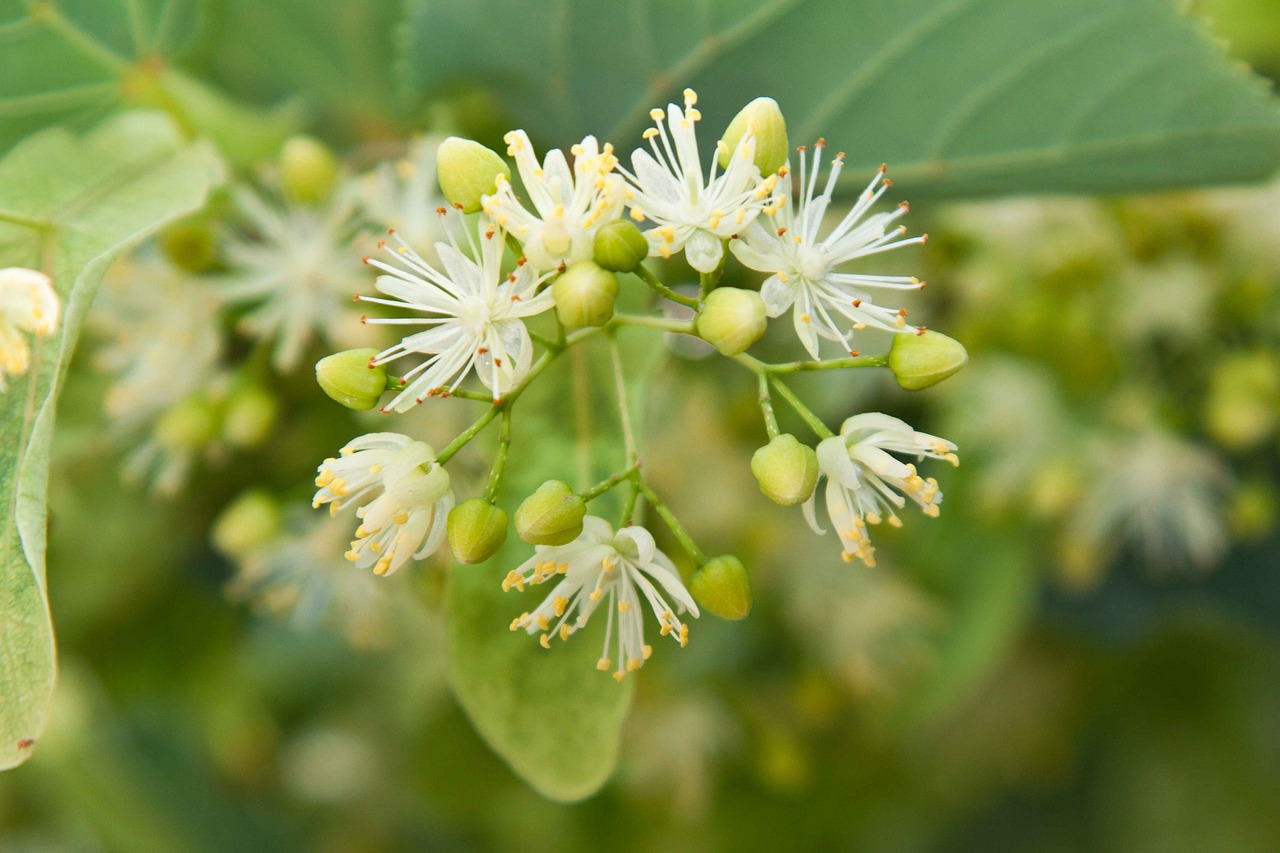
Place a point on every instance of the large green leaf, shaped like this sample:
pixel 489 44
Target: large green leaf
pixel 63 60
pixel 70 207
pixel 550 714
pixel 960 97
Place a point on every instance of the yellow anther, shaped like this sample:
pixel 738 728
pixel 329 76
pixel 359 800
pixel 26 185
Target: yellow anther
pixel 624 606
pixel 375 469
pixel 545 641
pixel 381 567
pixel 565 631
pixel 560 603
pixel 352 555
pixel 618 676
pixel 648 650
pixel 633 664
pixel 603 664
pixel 401 517
pixel 597 595
pixel 690 97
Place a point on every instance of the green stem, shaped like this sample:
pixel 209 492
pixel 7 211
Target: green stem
pixel 667 325
pixel 546 342
pixel 466 435
pixel 815 423
pixel 709 280
pixel 677 529
pixel 832 364
pixel 766 406
pixel 500 461
pixel 624 410
pixel 605 485
pixel 650 279
pixel 629 508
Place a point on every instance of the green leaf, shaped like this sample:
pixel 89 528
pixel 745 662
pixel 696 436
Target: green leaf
pixel 960 97
pixel 550 714
pixel 77 60
pixel 70 208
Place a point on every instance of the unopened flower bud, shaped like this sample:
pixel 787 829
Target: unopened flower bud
pixel 620 247
pixel 349 378
pixel 721 586
pixel 921 360
pixel 1243 404
pixel 249 522
pixel 251 413
pixel 467 170
pixel 189 425
pixel 477 529
pixel 584 295
pixel 732 319
pixel 551 516
pixel 308 169
pixel 786 470
pixel 762 118
pixel 190 245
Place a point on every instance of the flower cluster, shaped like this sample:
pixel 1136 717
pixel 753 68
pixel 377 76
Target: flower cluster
pixel 535 271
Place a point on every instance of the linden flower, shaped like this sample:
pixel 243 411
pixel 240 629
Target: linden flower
pixel 28 303
pixel 403 195
pixel 614 568
pixel 691 213
pixel 293 263
pixel 473 314
pixel 865 483
pixel 407 518
pixel 571 204
pixel 804 263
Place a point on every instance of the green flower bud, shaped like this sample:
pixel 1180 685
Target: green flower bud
pixel 190 245
pixel 620 247
pixel 308 170
pixel 763 118
pixel 721 586
pixel 584 295
pixel 467 170
pixel 921 360
pixel 477 529
pixel 731 319
pixel 251 413
pixel 786 470
pixel 246 524
pixel 551 516
pixel 189 425
pixel 1243 404
pixel 348 378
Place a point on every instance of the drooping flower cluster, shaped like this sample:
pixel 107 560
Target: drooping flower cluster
pixel 470 305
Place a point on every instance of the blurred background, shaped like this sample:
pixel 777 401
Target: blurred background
pixel 1082 653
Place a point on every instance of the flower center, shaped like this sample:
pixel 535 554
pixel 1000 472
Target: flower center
pixel 473 314
pixel 812 263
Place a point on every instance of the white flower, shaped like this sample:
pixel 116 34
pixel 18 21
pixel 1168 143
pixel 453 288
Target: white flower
pixel 403 195
pixel 616 569
pixel 161 339
pixel 295 261
pixel 571 204
pixel 865 483
pixel 804 264
pixel 473 314
pixel 28 303
pixel 691 213
pixel 413 498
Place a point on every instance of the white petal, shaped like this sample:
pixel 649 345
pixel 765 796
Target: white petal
pixel 777 294
pixel 704 251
